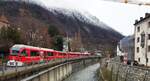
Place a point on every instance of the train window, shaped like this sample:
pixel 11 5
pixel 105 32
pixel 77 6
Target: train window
pixel 50 53
pixel 34 53
pixel 14 52
pixel 24 53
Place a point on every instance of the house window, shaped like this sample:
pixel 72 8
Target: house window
pixel 137 49
pixel 146 60
pixel 149 36
pixel 139 59
pixel 142 39
pixel 138 39
pixel 138 28
pixel 148 48
pixel 148 24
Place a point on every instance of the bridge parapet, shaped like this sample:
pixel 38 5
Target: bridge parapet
pixel 53 71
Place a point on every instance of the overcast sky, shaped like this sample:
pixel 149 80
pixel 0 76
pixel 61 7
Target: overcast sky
pixel 119 16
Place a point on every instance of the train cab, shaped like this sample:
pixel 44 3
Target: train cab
pixel 17 55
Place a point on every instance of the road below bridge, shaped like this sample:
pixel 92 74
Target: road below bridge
pixel 87 74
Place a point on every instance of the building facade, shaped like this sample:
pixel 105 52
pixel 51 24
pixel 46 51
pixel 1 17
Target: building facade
pixel 125 48
pixel 142 40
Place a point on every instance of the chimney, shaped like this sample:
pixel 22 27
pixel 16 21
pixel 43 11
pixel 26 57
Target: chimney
pixel 141 18
pixel 136 21
pixel 147 14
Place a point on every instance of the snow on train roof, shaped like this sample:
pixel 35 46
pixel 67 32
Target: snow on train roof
pixel 19 46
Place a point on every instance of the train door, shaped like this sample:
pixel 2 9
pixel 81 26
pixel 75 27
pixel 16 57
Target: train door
pixel 23 55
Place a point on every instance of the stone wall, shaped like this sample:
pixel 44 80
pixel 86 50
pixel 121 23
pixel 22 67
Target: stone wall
pixel 121 72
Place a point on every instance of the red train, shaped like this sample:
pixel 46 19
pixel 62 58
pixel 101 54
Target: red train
pixel 24 54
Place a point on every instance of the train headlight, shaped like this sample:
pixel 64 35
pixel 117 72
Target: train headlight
pixel 14 63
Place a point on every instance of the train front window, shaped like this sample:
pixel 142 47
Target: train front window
pixel 15 52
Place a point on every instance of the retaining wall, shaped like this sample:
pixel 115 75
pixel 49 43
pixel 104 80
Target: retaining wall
pixel 122 72
pixel 61 71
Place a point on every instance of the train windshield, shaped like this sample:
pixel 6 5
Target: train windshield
pixel 15 52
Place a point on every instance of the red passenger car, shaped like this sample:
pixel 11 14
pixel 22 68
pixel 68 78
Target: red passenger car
pixel 24 54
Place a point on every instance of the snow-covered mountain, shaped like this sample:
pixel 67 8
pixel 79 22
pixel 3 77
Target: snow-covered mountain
pixel 94 33
pixel 82 16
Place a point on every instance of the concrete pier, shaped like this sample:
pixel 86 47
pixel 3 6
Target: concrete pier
pixel 56 73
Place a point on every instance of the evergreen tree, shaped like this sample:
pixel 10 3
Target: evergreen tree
pixel 14 35
pixel 53 31
pixel 58 43
pixel 8 37
pixel 10 34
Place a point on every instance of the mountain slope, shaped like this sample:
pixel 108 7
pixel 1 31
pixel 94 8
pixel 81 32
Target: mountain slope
pixel 29 17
